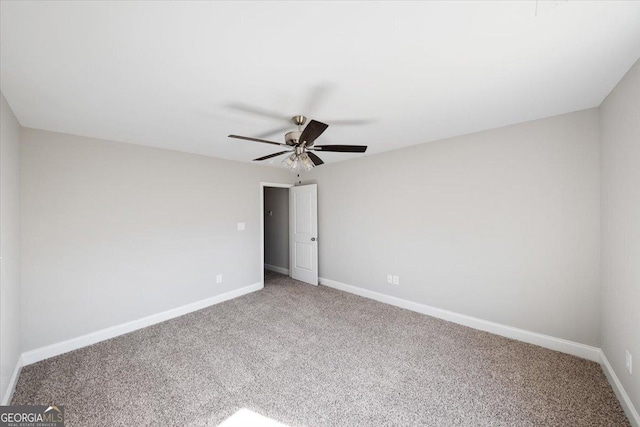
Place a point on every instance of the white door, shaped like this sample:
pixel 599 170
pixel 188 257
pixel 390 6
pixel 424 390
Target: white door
pixel 303 233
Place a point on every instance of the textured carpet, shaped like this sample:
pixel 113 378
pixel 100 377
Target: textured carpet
pixel 314 356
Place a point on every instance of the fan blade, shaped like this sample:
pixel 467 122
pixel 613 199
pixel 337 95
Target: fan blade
pixel 271 155
pixel 274 131
pixel 315 159
pixel 313 130
pixel 255 139
pixel 258 111
pixel 342 148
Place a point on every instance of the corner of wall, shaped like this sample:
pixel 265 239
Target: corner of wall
pixel 10 281
pixel 619 288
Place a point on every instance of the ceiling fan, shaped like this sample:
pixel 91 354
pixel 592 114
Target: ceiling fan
pixel 301 145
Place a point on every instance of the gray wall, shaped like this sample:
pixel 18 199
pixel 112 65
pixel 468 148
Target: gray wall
pixel 114 232
pixel 276 227
pixel 502 225
pixel 620 135
pixel 9 244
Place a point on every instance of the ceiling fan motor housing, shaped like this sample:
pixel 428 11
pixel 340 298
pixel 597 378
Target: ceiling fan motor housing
pixel 291 138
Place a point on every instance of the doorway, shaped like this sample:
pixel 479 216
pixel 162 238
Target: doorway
pixel 289 230
pixel 264 220
pixel 276 229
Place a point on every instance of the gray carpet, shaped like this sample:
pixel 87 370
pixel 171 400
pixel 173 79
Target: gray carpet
pixel 314 356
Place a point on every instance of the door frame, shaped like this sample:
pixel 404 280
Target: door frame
pixel 262 187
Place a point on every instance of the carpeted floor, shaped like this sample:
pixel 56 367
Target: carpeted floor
pixel 314 356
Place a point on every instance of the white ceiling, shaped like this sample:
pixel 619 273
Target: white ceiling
pixel 168 74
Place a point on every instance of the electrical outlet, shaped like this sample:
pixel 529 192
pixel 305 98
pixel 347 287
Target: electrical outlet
pixel 241 226
pixel 396 280
pixel 219 278
pixel 389 278
pixel 629 363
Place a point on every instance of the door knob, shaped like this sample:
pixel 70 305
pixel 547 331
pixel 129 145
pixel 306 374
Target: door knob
pixel 313 239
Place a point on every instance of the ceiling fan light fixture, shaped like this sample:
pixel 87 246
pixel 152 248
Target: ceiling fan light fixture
pixel 288 162
pixel 298 163
pixel 305 162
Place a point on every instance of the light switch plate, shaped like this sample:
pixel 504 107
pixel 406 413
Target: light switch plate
pixel 396 280
pixel 241 226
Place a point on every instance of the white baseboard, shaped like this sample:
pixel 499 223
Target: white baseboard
pixel 623 397
pixel 56 349
pixel 6 399
pixel 558 344
pixel 277 269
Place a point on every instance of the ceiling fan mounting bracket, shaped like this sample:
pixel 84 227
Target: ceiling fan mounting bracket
pixel 299 120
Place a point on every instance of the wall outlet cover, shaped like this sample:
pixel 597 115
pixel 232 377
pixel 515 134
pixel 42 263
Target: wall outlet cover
pixel 241 226
pixel 396 280
pixel 629 363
